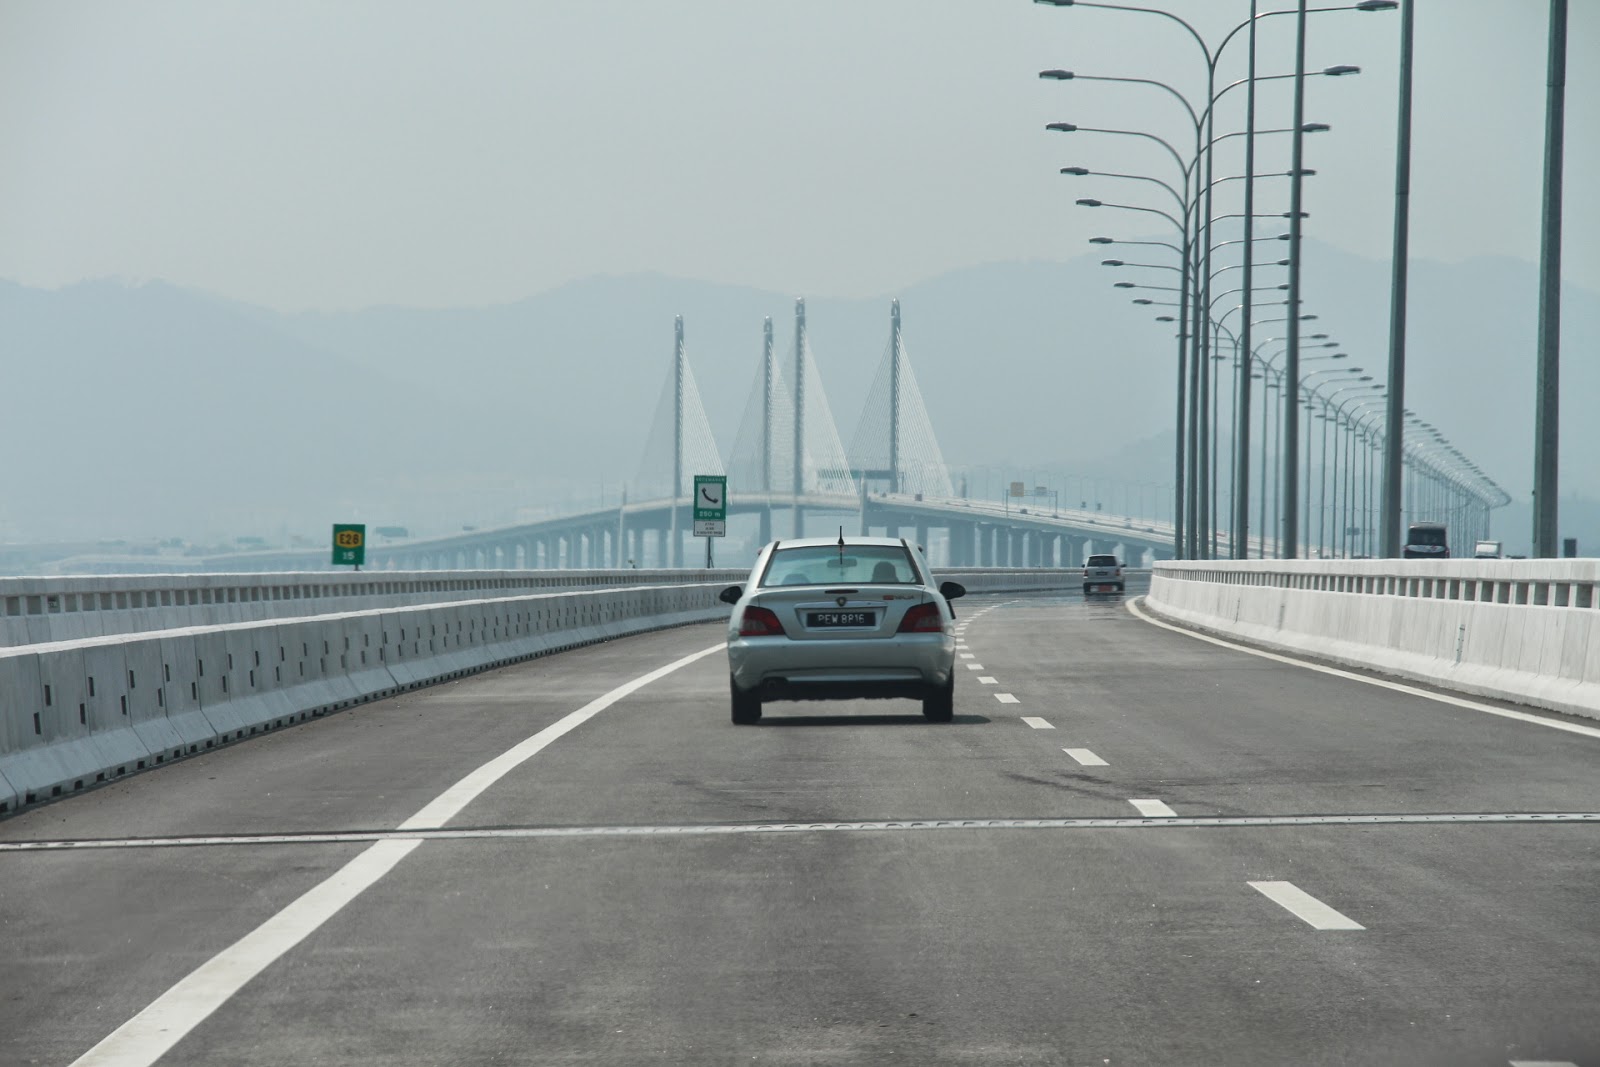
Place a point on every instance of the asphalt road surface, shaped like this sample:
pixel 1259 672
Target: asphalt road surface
pixel 1131 847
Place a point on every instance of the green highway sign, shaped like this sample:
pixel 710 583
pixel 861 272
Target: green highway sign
pixel 349 544
pixel 710 505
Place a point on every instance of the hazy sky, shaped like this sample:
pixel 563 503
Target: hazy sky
pixel 336 155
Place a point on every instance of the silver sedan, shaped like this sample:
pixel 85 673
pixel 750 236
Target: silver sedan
pixel 847 619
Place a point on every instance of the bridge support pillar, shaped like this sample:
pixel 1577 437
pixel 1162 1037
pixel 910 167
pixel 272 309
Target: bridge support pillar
pixel 922 536
pixel 764 531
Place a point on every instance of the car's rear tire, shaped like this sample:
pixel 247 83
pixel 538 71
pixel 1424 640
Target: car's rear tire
pixel 939 704
pixel 746 705
pixel 1086 590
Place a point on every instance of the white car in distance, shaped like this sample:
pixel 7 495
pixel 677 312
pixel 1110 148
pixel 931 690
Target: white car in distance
pixel 1102 574
pixel 857 618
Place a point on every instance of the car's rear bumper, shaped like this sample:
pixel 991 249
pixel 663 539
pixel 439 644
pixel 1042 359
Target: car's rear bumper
pixel 785 669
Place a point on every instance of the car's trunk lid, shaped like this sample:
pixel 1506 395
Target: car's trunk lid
pixel 832 613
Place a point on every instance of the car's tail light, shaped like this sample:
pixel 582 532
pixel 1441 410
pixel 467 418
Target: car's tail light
pixel 760 622
pixel 922 619
pixel 1119 572
pixel 1086 571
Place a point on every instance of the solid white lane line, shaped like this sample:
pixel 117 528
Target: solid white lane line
pixel 1037 723
pixel 1085 757
pixel 1543 1063
pixel 448 804
pixel 471 833
pixel 1154 809
pixel 974 666
pixel 1398 687
pixel 150 1034
pixel 987 680
pixel 1006 698
pixel 1304 906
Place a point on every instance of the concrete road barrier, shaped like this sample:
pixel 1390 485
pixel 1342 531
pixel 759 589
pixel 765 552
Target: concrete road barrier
pixel 1526 631
pixel 74 713
pixel 81 711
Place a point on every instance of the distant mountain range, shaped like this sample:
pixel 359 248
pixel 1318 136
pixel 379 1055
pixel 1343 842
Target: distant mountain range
pixel 151 410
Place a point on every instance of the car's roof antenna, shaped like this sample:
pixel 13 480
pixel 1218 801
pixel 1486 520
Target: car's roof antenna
pixel 841 546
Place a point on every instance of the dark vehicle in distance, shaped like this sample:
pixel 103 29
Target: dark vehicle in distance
pixel 1427 540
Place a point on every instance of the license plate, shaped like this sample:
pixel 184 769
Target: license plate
pixel 1104 588
pixel 829 619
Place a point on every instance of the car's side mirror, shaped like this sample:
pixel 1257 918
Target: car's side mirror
pixel 731 594
pixel 951 590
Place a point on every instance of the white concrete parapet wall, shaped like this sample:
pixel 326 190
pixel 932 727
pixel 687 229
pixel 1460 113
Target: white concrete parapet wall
pixel 93 708
pixel 37 610
pixel 76 712
pixel 1521 630
pixel 34 610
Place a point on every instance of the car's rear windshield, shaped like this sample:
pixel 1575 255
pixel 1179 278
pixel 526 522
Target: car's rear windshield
pixel 824 565
pixel 1426 536
pixel 1102 561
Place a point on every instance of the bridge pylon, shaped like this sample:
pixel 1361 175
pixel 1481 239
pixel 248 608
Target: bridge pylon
pixel 894 445
pixel 680 445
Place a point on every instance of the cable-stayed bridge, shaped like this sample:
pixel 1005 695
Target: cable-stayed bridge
pixel 789 474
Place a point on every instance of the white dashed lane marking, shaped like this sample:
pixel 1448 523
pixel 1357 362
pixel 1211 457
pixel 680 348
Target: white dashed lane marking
pixel 1006 698
pixel 986 680
pixel 1085 757
pixel 1304 906
pixel 974 666
pixel 967 655
pixel 1154 809
pixel 1037 723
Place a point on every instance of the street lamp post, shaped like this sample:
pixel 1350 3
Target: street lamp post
pixel 1183 300
pixel 1203 197
pixel 1309 394
pixel 1547 409
pixel 1393 444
